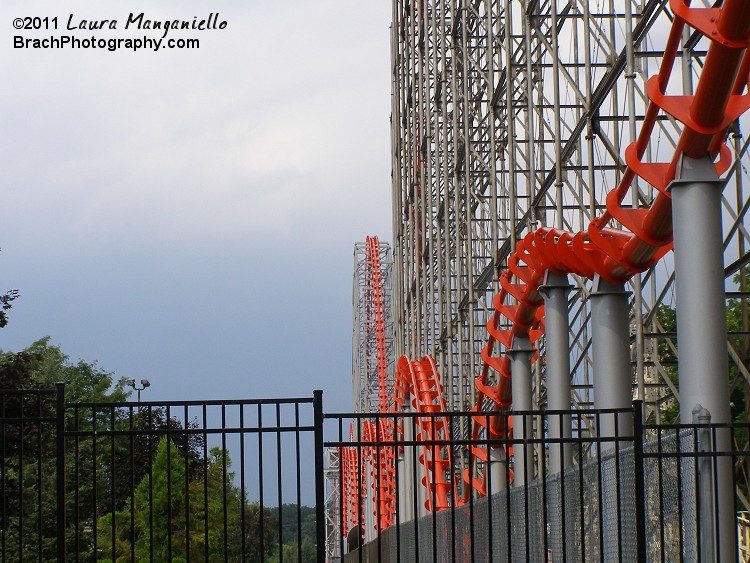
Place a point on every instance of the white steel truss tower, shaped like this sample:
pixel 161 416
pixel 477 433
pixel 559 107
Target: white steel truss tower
pixel 509 115
pixel 372 338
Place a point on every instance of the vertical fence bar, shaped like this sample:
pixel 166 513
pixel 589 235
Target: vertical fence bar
pixel 640 483
pixel 76 480
pixel 3 480
pixel 186 412
pixel 298 476
pixel 40 485
pixel 224 484
pixel 343 546
pixel 320 522
pixel 21 480
pixel 205 484
pixel 169 486
pixel 113 480
pixel 279 493
pixel 132 483
pixel 399 483
pixel 60 462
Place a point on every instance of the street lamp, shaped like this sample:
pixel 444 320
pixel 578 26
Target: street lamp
pixel 144 383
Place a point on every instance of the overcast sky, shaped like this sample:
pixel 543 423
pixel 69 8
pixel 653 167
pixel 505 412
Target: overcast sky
pixel 189 216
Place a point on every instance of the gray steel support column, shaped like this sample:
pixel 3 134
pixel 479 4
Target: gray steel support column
pixel 422 492
pixel 610 353
pixel 701 319
pixel 557 349
pixel 555 291
pixel 369 504
pixel 520 369
pixel 613 388
pixel 498 471
pixel 406 471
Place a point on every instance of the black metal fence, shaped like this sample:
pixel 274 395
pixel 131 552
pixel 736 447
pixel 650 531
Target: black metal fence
pixel 170 481
pixel 688 471
pixel 610 488
pixel 31 514
pixel 243 480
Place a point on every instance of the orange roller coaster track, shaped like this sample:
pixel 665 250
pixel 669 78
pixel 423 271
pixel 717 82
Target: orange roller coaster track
pixel 609 252
pixel 613 254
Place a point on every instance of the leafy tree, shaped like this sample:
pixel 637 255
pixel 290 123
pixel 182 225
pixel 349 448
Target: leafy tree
pixel 6 300
pixel 667 354
pixel 42 365
pixel 147 488
pixel 292 532
pixel 666 319
pixel 171 516
pixel 738 320
pixel 29 462
pixel 294 554
pixel 103 469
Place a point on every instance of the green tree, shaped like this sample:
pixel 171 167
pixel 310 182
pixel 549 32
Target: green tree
pixel 738 321
pixel 294 554
pixel 6 300
pixel 666 320
pixel 42 365
pixel 739 389
pixel 298 532
pixel 171 514
pixel 156 529
pixel 29 463
pixel 6 303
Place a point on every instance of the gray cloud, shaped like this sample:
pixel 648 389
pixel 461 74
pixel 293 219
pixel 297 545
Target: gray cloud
pixel 135 182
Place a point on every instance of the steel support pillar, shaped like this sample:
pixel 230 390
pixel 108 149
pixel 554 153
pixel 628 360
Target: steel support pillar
pixel 701 322
pixel 406 470
pixel 420 473
pixel 369 503
pixel 613 389
pixel 610 352
pixel 557 352
pixel 498 471
pixel 520 368
pixel 555 292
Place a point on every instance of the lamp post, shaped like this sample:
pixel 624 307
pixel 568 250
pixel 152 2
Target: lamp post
pixel 144 383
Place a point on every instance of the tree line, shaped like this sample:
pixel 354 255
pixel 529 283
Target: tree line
pixel 153 492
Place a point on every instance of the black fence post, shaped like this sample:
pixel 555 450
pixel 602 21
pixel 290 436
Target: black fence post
pixel 320 519
pixel 60 459
pixel 640 484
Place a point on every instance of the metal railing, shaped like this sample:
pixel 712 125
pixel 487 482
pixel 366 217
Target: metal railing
pixel 586 512
pixel 229 480
pixel 637 492
pixel 31 511
pixel 237 481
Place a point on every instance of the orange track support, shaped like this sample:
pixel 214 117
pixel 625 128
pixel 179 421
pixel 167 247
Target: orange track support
pixel 378 461
pixel 378 313
pixel 618 255
pixel 419 382
pixel 351 486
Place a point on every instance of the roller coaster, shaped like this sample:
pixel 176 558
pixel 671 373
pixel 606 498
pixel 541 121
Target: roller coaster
pixel 494 137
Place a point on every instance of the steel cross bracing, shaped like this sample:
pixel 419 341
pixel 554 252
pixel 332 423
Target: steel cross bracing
pixel 333 504
pixel 508 116
pixel 372 338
